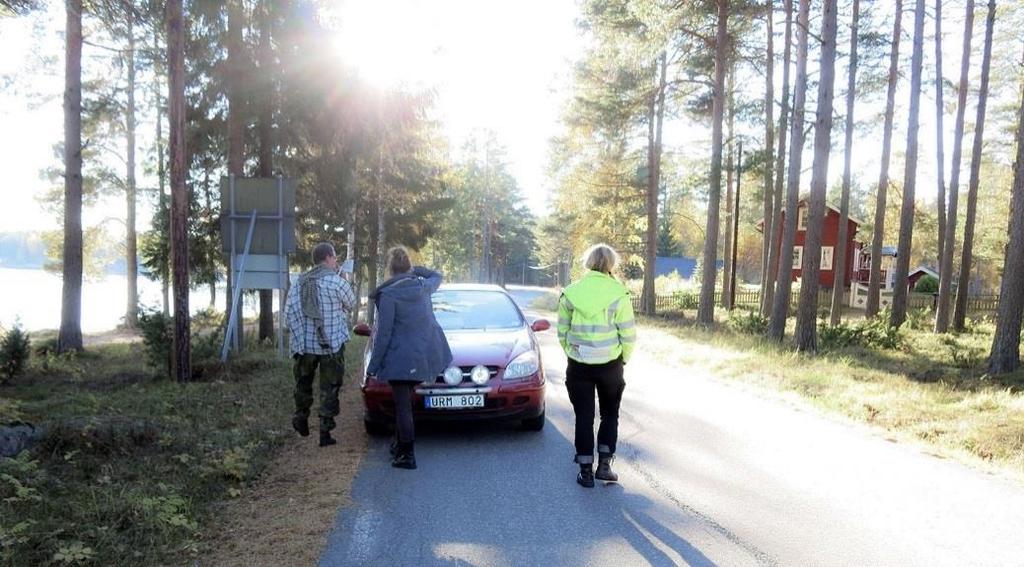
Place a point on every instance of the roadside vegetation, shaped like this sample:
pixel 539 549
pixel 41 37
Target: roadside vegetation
pixel 132 468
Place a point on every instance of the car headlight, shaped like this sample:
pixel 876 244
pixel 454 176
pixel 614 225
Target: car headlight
pixel 522 366
pixel 480 375
pixel 453 375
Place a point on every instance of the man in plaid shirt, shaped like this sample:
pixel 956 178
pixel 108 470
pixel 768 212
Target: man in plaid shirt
pixel 317 312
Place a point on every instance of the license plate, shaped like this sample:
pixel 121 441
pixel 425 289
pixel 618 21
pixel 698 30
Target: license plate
pixel 458 401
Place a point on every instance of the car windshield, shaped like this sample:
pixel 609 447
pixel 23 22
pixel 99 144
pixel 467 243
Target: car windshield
pixel 458 310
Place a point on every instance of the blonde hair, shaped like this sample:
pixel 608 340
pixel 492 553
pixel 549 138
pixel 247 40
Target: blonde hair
pixel 398 260
pixel 600 258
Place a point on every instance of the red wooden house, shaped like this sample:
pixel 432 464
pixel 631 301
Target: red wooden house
pixel 829 242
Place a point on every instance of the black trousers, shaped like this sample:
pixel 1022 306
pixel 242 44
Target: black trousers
pixel 582 380
pixel 402 392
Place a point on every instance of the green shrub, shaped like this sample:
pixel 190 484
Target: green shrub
pixel 872 333
pixel 839 336
pixel 157 334
pixel 921 319
pixel 14 353
pixel 962 355
pixel 748 322
pixel 687 299
pixel 927 284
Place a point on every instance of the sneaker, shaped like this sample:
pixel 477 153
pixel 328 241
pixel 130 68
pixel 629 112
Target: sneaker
pixel 604 468
pixel 586 476
pixel 301 425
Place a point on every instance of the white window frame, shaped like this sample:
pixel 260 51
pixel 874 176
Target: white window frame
pixel 798 257
pixel 827 253
pixel 801 218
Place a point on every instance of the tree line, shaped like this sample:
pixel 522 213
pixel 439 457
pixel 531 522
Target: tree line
pixel 246 88
pixel 714 66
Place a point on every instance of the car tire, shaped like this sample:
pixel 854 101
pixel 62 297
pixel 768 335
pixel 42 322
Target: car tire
pixel 534 423
pixel 376 428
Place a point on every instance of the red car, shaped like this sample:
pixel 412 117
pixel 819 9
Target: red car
pixel 496 371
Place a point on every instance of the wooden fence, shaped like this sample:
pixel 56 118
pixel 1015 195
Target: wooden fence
pixel 690 300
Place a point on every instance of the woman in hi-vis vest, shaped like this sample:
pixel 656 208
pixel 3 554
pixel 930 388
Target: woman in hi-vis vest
pixel 597 332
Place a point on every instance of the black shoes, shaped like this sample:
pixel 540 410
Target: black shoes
pixel 604 468
pixel 586 476
pixel 326 439
pixel 405 456
pixel 301 425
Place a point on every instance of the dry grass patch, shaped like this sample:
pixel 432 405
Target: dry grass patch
pixel 284 519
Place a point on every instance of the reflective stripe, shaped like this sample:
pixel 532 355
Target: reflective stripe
pixel 594 343
pixel 593 328
pixel 626 325
pixel 628 339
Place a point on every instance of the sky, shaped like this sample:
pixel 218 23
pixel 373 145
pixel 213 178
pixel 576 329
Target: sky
pixel 502 66
pixel 497 65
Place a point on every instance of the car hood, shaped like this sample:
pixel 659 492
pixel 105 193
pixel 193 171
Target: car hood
pixel 490 348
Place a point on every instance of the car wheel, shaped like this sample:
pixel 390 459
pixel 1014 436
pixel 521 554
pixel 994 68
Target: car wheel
pixel 376 428
pixel 534 423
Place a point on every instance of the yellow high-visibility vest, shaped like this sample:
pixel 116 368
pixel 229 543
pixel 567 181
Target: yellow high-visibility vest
pixel 595 320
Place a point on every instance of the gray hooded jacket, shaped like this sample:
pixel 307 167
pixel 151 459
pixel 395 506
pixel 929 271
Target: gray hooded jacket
pixel 408 344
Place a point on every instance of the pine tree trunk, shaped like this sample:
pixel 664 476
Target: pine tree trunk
pixel 902 290
pixel 807 310
pixel 783 288
pixel 940 159
pixel 236 125
pixel 730 167
pixel 181 358
pixel 767 299
pixel 706 309
pixel 875 276
pixel 1005 355
pixel 266 151
pixel 839 268
pixel 946 265
pixel 131 316
pixel 963 284
pixel 161 174
pixel 769 146
pixel 70 337
pixel 656 117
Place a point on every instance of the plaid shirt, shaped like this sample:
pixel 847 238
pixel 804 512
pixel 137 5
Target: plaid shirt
pixel 336 300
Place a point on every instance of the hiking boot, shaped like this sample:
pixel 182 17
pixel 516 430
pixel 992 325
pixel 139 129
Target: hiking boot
pixel 586 476
pixel 326 439
pixel 301 425
pixel 604 468
pixel 405 456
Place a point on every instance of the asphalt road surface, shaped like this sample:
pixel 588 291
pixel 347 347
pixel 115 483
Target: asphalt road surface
pixel 711 473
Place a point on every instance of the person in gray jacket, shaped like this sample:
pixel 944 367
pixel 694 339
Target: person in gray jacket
pixel 408 344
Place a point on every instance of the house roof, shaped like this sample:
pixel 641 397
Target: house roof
pixel 760 222
pixel 665 265
pixel 926 270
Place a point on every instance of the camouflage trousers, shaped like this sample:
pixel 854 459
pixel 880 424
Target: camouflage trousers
pixel 332 371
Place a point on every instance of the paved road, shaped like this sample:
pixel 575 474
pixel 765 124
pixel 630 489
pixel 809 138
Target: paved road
pixel 711 474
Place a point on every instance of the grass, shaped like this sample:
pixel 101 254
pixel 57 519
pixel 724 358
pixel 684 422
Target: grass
pixel 933 390
pixel 134 469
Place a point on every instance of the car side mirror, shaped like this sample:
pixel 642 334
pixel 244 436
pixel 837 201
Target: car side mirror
pixel 540 325
pixel 362 329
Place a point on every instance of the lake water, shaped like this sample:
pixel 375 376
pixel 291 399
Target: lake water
pixel 33 297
